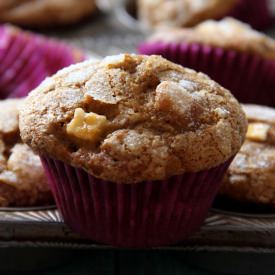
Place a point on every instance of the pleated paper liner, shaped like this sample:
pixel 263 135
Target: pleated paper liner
pixel 254 12
pixel 250 78
pixel 133 215
pixel 26 59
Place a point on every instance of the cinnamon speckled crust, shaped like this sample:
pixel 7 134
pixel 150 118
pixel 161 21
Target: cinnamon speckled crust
pixel 39 13
pixel 182 13
pixel 251 176
pixel 162 119
pixel 22 179
pixel 228 33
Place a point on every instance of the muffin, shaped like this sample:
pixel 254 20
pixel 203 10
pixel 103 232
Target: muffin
pixel 236 56
pixel 27 59
pixel 45 13
pixel 186 13
pixel 251 176
pixel 134 146
pixel 22 179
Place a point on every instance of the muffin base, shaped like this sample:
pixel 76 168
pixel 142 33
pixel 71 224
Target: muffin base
pixel 141 215
pixel 250 78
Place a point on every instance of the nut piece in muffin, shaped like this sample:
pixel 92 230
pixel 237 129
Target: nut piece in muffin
pixel 251 176
pixel 228 34
pixel 132 118
pixel 182 13
pixel 22 179
pixel 42 13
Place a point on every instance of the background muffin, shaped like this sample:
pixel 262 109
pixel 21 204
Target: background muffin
pixel 42 13
pixel 122 137
pixel 27 59
pixel 184 13
pixel 251 176
pixel 22 179
pixel 236 56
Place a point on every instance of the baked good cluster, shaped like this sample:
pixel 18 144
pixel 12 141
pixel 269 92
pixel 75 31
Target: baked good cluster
pixel 135 147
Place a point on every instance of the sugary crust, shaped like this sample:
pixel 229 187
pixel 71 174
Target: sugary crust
pixel 182 13
pixel 162 119
pixel 39 13
pixel 227 33
pixel 251 176
pixel 22 180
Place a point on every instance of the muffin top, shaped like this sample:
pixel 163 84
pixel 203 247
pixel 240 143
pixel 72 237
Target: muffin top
pixel 251 176
pixel 155 13
pixel 22 180
pixel 227 33
pixel 131 118
pixel 44 12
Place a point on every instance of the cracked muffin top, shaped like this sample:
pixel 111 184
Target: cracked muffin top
pixel 41 13
pixel 182 13
pixel 228 33
pixel 131 118
pixel 251 176
pixel 22 179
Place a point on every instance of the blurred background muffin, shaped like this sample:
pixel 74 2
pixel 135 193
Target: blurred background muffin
pixel 251 176
pixel 184 13
pixel 181 13
pixel 22 179
pixel 45 13
pixel 231 52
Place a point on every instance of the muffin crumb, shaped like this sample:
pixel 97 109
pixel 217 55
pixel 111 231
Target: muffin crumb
pixel 250 177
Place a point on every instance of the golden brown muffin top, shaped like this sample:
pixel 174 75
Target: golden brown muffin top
pixel 228 33
pixel 21 173
pixel 39 13
pixel 130 118
pixel 182 13
pixel 251 176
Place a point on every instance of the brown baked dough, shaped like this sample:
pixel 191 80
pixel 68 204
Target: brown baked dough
pixel 182 13
pixel 130 118
pixel 42 13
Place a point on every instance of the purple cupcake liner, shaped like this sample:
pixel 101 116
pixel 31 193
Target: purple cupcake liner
pixel 249 77
pixel 26 59
pixel 138 215
pixel 254 12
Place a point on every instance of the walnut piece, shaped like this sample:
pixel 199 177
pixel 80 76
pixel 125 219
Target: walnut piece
pixel 257 131
pixel 86 126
